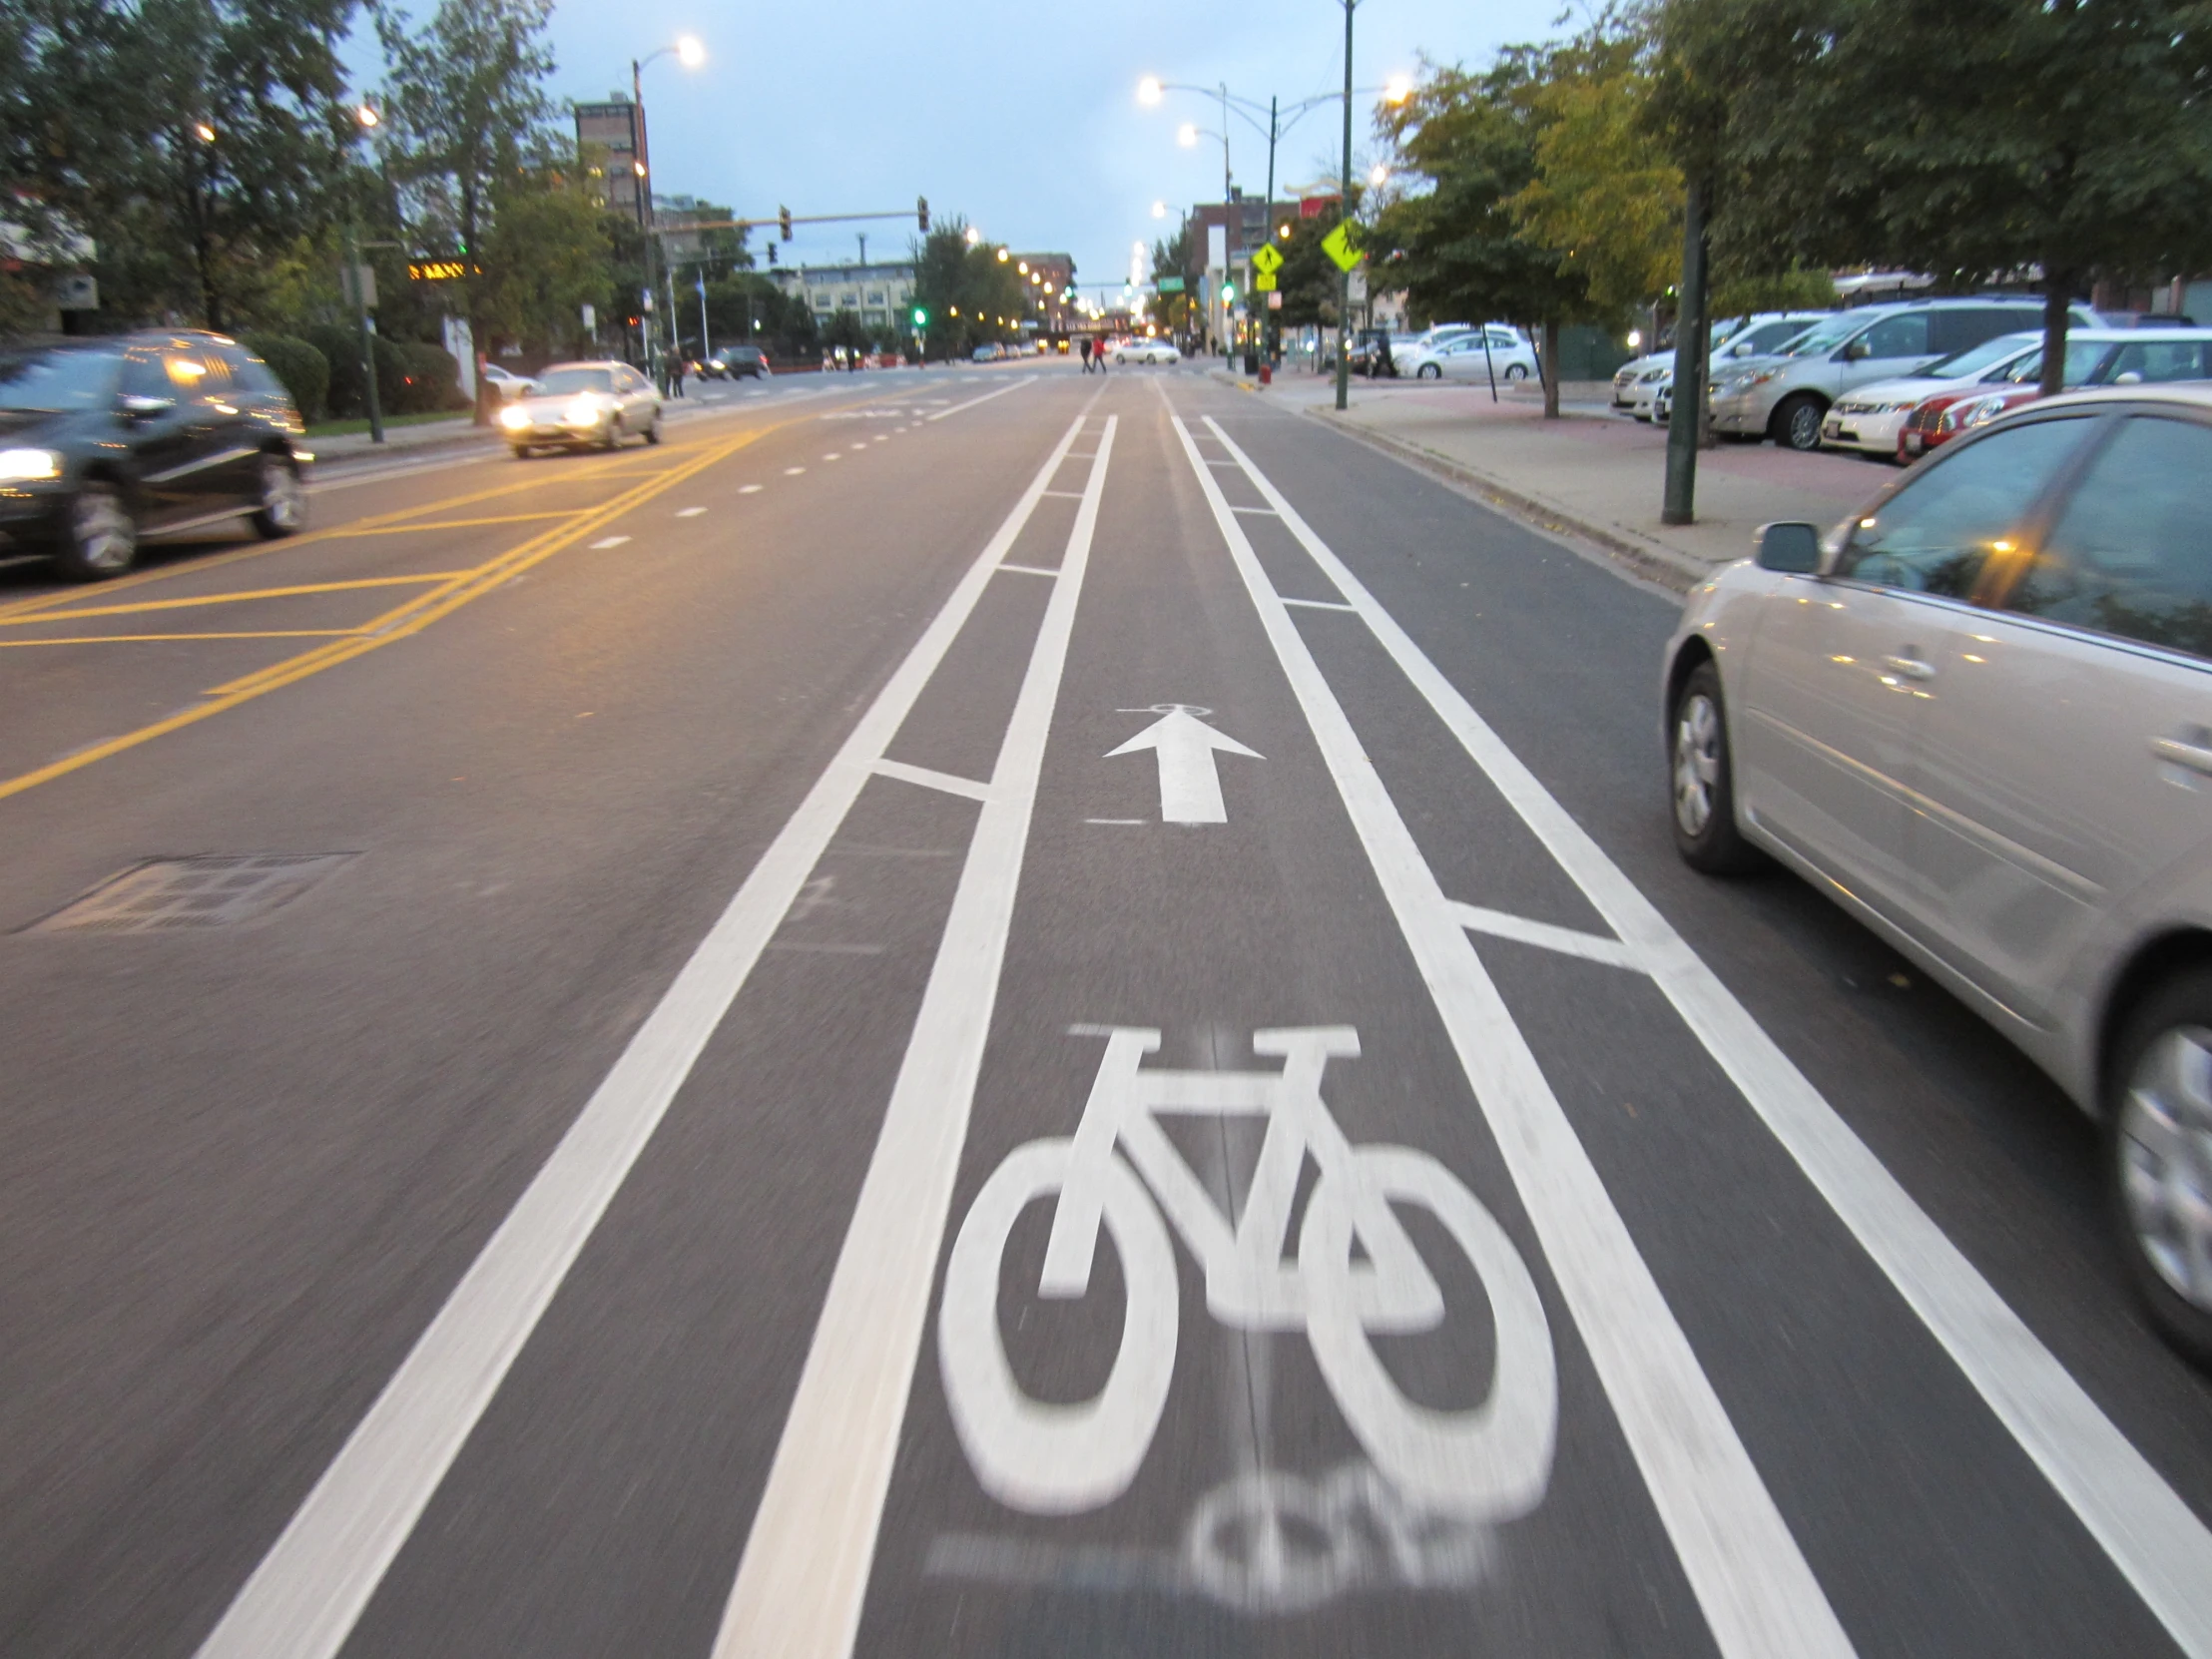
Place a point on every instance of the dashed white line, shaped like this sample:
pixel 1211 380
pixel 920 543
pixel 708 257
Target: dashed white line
pixel 605 542
pixel 792 471
pixel 688 512
pixel 748 489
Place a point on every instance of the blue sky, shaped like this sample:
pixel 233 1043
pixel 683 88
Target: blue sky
pixel 1026 122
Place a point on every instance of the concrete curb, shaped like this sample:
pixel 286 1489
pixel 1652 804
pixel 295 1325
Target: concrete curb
pixel 1653 561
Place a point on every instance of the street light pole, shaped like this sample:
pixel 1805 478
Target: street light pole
pixel 641 166
pixel 1344 216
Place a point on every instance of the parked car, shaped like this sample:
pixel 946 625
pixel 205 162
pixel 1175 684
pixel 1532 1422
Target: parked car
pixel 1636 382
pixel 987 352
pixel 1871 418
pixel 1786 397
pixel 583 406
pixel 1467 357
pixel 2094 357
pixel 103 440
pixel 507 383
pixel 736 362
pixel 1147 351
pixel 1975 715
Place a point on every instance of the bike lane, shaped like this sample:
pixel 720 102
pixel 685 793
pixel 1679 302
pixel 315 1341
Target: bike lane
pixel 1171 1460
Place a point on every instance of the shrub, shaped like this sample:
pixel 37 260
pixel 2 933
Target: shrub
pixel 340 346
pixel 303 370
pixel 411 377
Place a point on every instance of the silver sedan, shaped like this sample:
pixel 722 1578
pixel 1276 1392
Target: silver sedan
pixel 583 406
pixel 1979 716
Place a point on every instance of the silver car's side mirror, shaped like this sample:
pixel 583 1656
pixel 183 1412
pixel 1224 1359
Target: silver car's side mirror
pixel 133 405
pixel 1790 547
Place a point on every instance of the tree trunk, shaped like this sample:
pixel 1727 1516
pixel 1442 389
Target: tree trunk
pixel 1547 368
pixel 2057 302
pixel 1692 327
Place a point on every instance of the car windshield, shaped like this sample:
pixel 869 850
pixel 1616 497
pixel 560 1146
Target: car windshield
pixel 2082 359
pixel 564 380
pixel 57 379
pixel 1975 358
pixel 1825 337
pixel 1771 336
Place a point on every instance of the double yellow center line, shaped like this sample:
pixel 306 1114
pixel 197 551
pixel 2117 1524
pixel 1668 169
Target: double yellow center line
pixel 408 618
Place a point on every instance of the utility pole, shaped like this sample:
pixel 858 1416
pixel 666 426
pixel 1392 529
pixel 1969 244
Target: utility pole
pixel 1267 232
pixel 1344 216
pixel 353 280
pixel 642 165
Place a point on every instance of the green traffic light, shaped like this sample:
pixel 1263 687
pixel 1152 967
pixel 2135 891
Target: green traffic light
pixel 922 318
pixel 1228 294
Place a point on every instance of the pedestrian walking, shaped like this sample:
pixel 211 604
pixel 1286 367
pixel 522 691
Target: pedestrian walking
pixel 1085 347
pixel 676 376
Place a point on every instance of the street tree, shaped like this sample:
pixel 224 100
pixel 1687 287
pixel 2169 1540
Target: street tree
pixel 231 138
pixel 970 292
pixel 466 120
pixel 1460 248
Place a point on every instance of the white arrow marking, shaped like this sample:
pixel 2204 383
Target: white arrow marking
pixel 1190 786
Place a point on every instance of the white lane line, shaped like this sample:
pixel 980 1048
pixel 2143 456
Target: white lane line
pixel 605 542
pixel 1262 512
pixel 985 398
pixel 748 489
pixel 1065 495
pixel 930 779
pixel 1316 604
pixel 1029 570
pixel 1570 941
pixel 303 1598
pixel 1114 820
pixel 805 1568
pixel 792 471
pixel 688 512
pixel 1758 1598
pixel 835 456
pixel 2151 1535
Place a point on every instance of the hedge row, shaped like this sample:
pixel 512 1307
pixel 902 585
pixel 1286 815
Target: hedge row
pixel 322 371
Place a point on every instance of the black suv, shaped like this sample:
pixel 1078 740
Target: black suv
pixel 738 360
pixel 100 439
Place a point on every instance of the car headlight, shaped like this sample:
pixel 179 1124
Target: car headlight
pixel 1981 411
pixel 514 418
pixel 586 411
pixel 29 465
pixel 1651 374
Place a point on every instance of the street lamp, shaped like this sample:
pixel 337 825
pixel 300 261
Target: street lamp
pixel 686 51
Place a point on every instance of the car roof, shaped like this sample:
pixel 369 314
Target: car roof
pixel 2194 394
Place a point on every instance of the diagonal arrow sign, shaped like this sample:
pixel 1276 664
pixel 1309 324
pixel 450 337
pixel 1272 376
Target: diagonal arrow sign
pixel 1189 787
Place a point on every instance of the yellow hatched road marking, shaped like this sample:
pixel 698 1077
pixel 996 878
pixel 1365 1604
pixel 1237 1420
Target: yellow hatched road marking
pixel 421 579
pixel 449 524
pixel 398 622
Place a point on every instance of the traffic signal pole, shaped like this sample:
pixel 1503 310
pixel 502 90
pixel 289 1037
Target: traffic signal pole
pixel 1344 217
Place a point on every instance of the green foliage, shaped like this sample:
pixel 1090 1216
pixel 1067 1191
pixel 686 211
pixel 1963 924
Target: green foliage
pixel 844 330
pixel 412 378
pixel 1602 192
pixel 1461 248
pixel 303 370
pixel 191 140
pixel 1308 279
pixel 1802 289
pixel 547 254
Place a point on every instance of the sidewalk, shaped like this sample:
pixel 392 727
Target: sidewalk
pixel 1591 473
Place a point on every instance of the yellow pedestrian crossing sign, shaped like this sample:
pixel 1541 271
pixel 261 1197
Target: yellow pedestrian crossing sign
pixel 1265 259
pixel 1338 246
pixel 1264 282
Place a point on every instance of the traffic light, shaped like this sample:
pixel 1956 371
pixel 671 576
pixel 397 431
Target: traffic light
pixel 783 218
pixel 772 253
pixel 1228 294
pixel 921 212
pixel 922 318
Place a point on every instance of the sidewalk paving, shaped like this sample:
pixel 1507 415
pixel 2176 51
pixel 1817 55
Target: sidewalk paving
pixel 1592 473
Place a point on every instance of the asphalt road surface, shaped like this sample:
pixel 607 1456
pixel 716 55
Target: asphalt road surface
pixel 993 1013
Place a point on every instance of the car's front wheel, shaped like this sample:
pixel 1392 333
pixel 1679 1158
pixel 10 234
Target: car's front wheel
pixel 1429 371
pixel 653 431
pixel 99 534
pixel 2158 1139
pixel 1797 423
pixel 1701 775
pixel 283 498
pixel 1516 371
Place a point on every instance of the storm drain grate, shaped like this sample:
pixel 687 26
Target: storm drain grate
pixel 207 891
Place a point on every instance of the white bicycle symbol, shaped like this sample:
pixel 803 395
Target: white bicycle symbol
pixel 1490 1462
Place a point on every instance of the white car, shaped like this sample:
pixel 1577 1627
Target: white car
pixel 591 406
pixel 509 385
pixel 1147 351
pixel 1475 356
pixel 1974 716
pixel 1870 418
pixel 1637 382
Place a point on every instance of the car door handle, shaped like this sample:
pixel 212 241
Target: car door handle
pixel 1910 666
pixel 2195 756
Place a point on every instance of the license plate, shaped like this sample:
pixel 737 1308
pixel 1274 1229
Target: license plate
pixel 1913 443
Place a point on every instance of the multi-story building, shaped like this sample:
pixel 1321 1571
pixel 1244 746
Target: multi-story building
pixel 872 292
pixel 613 134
